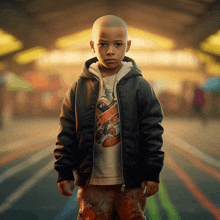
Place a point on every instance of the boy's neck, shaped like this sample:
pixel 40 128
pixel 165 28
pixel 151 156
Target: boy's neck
pixel 105 72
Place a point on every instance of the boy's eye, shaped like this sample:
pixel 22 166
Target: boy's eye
pixel 118 44
pixel 102 44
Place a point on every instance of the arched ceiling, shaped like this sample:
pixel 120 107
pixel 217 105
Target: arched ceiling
pixel 42 22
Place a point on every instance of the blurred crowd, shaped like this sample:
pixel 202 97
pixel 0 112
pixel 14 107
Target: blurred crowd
pixel 45 98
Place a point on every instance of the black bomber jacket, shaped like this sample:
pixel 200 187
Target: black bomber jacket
pixel 141 131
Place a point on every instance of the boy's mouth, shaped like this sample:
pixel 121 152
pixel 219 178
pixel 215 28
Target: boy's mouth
pixel 111 60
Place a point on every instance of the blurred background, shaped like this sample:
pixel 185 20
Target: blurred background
pixel 43 47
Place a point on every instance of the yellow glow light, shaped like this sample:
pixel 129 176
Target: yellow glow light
pixel 154 41
pixel 8 43
pixel 211 48
pixel 212 44
pixel 163 42
pixel 212 67
pixel 29 55
pixel 70 40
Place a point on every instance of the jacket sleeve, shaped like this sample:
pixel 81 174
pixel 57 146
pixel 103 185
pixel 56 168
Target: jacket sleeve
pixel 151 130
pixel 65 151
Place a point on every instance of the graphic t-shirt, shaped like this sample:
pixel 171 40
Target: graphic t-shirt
pixel 107 165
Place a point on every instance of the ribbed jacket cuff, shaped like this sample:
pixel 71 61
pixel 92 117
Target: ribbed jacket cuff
pixel 152 175
pixel 65 176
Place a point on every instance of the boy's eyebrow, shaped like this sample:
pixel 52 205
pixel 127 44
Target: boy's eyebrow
pixel 102 40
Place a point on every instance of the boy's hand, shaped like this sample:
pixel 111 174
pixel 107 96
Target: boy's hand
pixel 63 187
pixel 151 188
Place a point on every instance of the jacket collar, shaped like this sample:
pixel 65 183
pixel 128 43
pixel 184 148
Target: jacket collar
pixel 135 71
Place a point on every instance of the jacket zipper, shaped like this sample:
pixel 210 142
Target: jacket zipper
pixel 123 185
pixel 87 184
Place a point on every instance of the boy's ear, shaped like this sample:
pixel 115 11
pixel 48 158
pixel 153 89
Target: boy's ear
pixel 128 45
pixel 92 45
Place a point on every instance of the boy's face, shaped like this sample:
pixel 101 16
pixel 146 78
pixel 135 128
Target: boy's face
pixel 110 45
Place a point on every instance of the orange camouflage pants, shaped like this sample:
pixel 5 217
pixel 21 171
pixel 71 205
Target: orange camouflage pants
pixel 100 202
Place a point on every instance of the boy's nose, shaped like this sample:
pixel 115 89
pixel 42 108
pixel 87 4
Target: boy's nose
pixel 110 50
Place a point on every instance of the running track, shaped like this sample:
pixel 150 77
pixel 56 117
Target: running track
pixel 189 186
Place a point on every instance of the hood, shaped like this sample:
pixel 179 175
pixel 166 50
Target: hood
pixel 128 70
pixel 135 71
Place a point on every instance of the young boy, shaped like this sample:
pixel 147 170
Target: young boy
pixel 110 132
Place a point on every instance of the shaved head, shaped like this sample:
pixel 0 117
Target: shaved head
pixel 110 43
pixel 108 21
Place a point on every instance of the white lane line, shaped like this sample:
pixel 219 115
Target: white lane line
pixel 193 150
pixel 33 159
pixel 21 190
